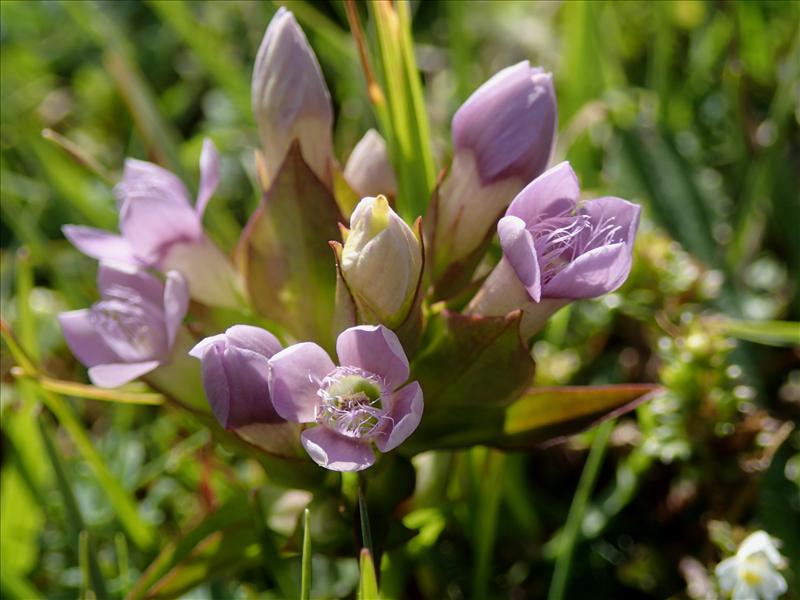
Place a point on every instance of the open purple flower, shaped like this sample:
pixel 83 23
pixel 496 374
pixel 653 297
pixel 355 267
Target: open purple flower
pixel 557 249
pixel 155 212
pixel 355 405
pixel 562 248
pixel 235 371
pixel 161 229
pixel 131 330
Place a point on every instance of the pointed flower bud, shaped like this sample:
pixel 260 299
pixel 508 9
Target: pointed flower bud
pixel 381 262
pixel 503 136
pixel 557 249
pixel 158 223
pixel 368 170
pixel 131 330
pixel 352 406
pixel 290 98
pixel 235 370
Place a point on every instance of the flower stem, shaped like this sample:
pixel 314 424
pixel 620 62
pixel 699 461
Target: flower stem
pixel 366 534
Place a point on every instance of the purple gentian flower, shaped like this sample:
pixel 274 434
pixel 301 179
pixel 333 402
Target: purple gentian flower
pixel 235 372
pixel 155 212
pixel 161 229
pixel 509 124
pixel 353 406
pixel 131 330
pixel 503 136
pixel 368 170
pixel 562 248
pixel 290 98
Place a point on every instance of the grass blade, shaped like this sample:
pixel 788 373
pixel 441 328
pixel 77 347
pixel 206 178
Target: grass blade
pixel 305 572
pixel 558 585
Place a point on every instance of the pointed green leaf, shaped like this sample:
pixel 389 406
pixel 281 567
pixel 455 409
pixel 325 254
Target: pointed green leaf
pixel 771 333
pixel 284 253
pixel 368 582
pixel 551 414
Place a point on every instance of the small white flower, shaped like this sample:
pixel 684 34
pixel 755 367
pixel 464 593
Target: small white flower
pixel 752 573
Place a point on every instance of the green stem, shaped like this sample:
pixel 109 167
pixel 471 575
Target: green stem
pixel 305 573
pixel 586 484
pixel 366 534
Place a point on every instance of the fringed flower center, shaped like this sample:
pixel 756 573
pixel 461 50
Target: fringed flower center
pixel 562 238
pixel 352 403
pixel 125 323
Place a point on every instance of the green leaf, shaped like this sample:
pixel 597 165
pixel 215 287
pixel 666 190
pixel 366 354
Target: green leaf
pixel 284 254
pixel 472 368
pixel 222 543
pixel 550 414
pixel 771 333
pixel 368 582
pixel 305 572
pixel 407 131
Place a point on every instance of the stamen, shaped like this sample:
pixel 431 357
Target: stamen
pixel 352 403
pixel 122 318
pixel 561 238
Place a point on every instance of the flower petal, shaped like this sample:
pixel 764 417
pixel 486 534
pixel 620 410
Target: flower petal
pixel 368 170
pixel 151 224
pixel 117 374
pixel 248 382
pixel 294 377
pixel 253 338
pixel 176 303
pixel 376 349
pixel 509 123
pixel 99 244
pixel 592 274
pixel 335 452
pixel 554 191
pixel 726 573
pixel 84 340
pixel 407 407
pixel 616 211
pixel 215 381
pixel 209 176
pixel 145 179
pixel 520 252
pixel 114 275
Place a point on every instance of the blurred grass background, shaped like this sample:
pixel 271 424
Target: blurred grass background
pixel 690 108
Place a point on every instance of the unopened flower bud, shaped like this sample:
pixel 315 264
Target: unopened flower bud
pixel 503 136
pixel 368 170
pixel 235 373
pixel 290 98
pixel 381 262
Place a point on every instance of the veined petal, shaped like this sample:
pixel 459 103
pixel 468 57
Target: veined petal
pixel 295 374
pixel 99 244
pixel 176 303
pixel 376 349
pixel 335 452
pixel 117 374
pixel 406 413
pixel 520 252
pixel 616 211
pixel 592 274
pixel 209 176
pixel 84 340
pixel 554 191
